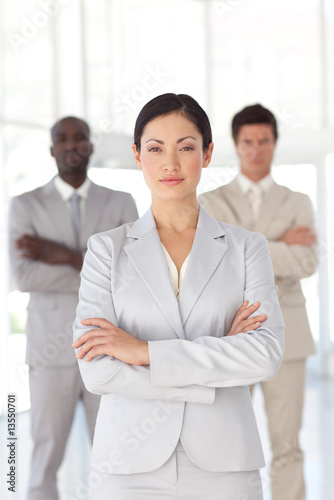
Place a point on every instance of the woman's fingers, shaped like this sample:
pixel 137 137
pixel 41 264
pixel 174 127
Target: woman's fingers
pixel 254 325
pixel 87 343
pixel 243 322
pixel 104 343
pixel 245 311
pixel 101 322
pixel 84 338
pixel 254 319
pixel 242 308
pixel 110 340
pixel 249 323
pixel 95 351
pixel 248 310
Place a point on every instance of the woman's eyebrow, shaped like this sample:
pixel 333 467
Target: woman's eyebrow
pixel 156 140
pixel 179 140
pixel 187 137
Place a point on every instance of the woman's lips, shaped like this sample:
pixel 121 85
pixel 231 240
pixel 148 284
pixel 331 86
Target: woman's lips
pixel 171 181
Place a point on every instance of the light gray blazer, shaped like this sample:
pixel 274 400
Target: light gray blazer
pixel 196 387
pixel 54 288
pixel 282 210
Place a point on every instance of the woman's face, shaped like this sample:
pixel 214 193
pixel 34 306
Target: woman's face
pixel 172 157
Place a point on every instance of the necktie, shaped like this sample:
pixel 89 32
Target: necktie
pixel 76 217
pixel 256 197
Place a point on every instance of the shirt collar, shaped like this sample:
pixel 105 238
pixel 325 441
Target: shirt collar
pixel 66 190
pixel 245 183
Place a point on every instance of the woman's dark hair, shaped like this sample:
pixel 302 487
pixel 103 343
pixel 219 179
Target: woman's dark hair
pixel 252 115
pixel 170 103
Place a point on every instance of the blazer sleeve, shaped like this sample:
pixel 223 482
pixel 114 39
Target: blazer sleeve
pixel 237 360
pixel 30 275
pixel 295 261
pixel 105 374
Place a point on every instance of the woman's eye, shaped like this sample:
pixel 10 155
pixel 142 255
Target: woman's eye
pixel 187 148
pixel 154 150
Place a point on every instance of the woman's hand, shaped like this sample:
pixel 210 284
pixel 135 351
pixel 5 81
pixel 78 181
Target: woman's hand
pixel 111 341
pixel 242 322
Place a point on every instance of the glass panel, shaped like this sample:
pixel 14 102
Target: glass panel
pixel 98 59
pixel 157 47
pixel 329 67
pixel 28 163
pixel 27 62
pixel 330 240
pixel 136 50
pixel 266 52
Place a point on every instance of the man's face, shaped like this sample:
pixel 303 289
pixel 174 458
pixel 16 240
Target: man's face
pixel 71 146
pixel 255 146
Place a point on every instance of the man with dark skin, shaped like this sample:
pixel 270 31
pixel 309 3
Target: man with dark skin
pixel 48 238
pixel 71 149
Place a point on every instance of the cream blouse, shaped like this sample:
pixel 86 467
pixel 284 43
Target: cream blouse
pixel 174 275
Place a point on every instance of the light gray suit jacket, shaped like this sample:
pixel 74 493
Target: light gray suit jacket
pixel 282 210
pixel 196 387
pixel 54 288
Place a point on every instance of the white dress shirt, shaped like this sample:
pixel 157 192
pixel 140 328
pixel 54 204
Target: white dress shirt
pixel 66 190
pixel 255 191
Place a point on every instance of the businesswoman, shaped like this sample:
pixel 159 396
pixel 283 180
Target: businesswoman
pixel 166 333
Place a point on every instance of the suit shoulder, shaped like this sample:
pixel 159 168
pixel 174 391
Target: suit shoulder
pixel 116 234
pixel 112 192
pixel 239 234
pixel 29 197
pixel 208 195
pixel 295 195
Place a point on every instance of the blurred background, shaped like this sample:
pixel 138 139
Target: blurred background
pixel 102 60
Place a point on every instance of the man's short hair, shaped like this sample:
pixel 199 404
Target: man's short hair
pixel 252 115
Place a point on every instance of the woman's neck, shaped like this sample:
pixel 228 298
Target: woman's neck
pixel 175 215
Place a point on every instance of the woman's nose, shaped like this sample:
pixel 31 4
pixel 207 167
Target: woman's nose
pixel 171 163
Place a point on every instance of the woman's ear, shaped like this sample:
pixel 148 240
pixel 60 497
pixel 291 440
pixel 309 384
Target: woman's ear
pixel 207 155
pixel 137 155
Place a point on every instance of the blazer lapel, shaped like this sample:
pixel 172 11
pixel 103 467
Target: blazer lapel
pixel 145 252
pixel 58 212
pixel 93 209
pixel 238 204
pixel 208 249
pixel 270 206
